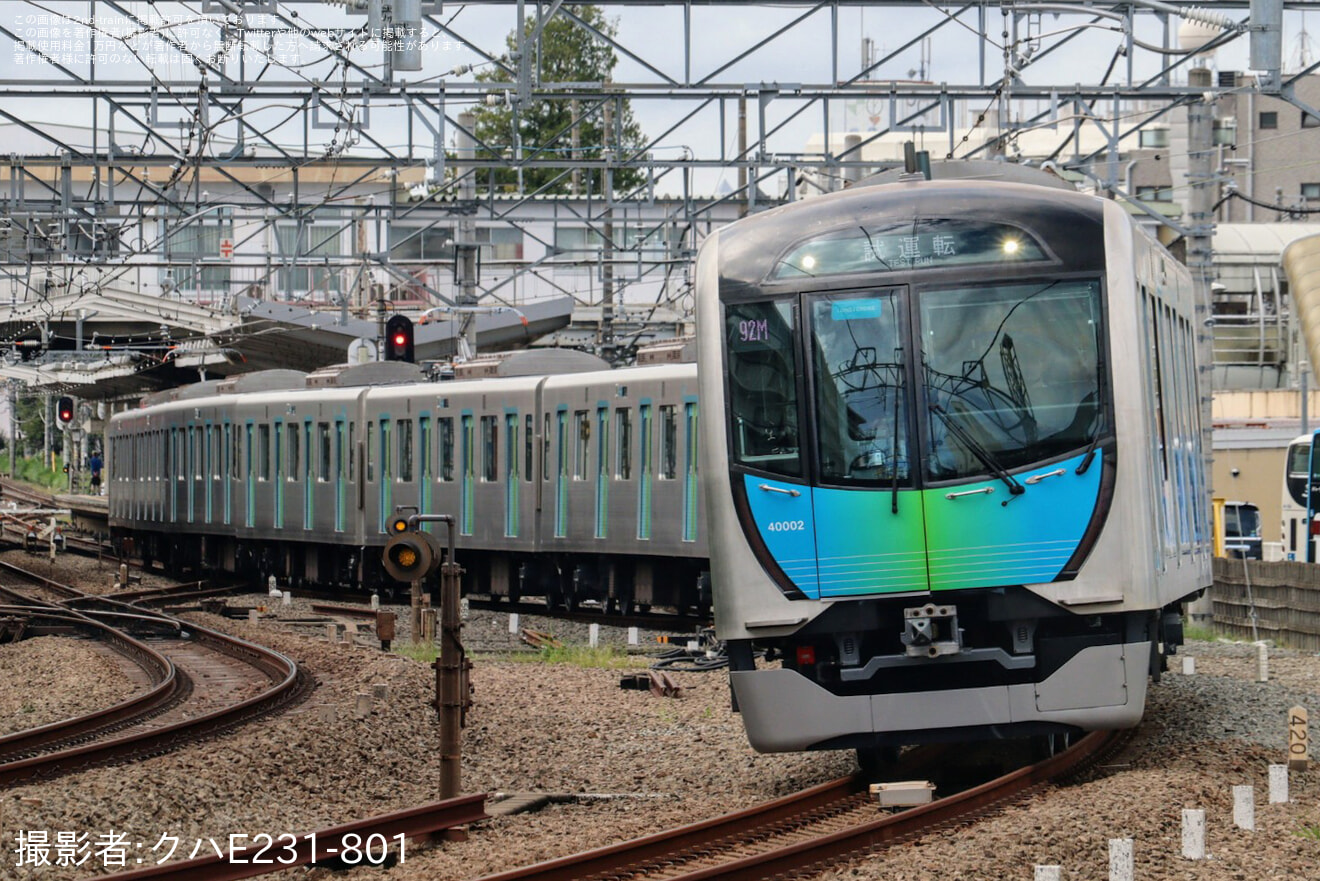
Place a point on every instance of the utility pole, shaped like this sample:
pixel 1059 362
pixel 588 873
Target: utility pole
pixel 575 145
pixel 742 156
pixel 13 426
pixel 1200 241
pixel 607 252
pixel 465 247
pixel 362 289
pixel 47 447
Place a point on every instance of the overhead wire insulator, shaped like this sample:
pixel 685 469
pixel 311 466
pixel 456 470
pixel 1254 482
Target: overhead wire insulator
pixel 1206 16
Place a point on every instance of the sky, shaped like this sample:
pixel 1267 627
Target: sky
pixel 655 33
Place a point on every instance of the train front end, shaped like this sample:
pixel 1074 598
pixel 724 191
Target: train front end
pixel 911 460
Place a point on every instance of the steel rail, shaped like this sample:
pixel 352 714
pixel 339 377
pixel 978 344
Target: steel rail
pixel 632 858
pixel 289 684
pixel 168 686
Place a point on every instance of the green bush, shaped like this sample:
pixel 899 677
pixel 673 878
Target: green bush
pixel 33 471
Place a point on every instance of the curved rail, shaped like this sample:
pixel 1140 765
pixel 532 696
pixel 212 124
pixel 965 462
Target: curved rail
pixel 168 686
pixel 288 685
pixel 785 819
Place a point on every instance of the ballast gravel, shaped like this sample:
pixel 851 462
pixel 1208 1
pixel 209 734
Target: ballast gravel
pixel 622 763
pixel 35 677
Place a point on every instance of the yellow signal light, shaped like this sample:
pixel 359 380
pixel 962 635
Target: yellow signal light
pixel 411 556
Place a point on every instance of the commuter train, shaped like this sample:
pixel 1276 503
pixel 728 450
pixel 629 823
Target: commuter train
pixel 952 458
pixel 576 483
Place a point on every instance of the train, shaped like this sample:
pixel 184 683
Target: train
pixel 936 463
pixel 567 480
pixel 953 463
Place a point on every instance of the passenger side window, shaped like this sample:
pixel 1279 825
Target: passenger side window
pixel 446 432
pixel 404 428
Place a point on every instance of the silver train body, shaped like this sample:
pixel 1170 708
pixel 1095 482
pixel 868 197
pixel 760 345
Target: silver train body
pixel 953 463
pixel 576 486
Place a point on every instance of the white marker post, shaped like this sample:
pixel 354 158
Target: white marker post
pixel 1193 834
pixel 1278 784
pixel 634 637
pixel 1048 873
pixel 1120 859
pixel 1189 666
pixel 1244 807
pixel 593 635
pixel 1262 662
pixel 513 623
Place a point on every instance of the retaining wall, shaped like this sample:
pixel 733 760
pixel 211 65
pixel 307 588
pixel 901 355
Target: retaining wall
pixel 1285 596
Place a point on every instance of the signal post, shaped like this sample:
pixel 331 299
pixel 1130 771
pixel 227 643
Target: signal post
pixel 412 555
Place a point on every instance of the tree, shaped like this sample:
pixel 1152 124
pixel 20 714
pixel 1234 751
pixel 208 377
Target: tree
pixel 568 53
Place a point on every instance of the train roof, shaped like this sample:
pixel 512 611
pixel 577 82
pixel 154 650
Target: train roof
pixel 1068 221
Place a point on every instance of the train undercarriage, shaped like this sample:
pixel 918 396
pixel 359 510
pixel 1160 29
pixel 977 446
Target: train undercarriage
pixel 567 581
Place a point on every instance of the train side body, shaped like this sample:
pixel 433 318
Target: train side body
pixel 575 487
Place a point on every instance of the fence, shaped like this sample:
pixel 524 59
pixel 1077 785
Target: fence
pixel 1283 598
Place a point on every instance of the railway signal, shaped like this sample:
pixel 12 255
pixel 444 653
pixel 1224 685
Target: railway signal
pixel 410 554
pixel 64 412
pixel 399 339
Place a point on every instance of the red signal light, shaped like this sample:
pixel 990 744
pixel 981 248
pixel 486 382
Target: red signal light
pixel 399 339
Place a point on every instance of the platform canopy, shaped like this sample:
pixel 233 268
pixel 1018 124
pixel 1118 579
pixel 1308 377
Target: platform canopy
pixel 119 343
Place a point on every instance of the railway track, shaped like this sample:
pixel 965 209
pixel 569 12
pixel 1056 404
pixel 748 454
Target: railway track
pixel 805 832
pixel 200 682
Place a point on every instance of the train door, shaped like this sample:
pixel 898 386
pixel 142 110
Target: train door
pixel 343 455
pixel 386 475
pixel 190 469
pixel 250 475
pixel 467 472
pixel 278 474
pixel 208 454
pixel 426 473
pixel 602 479
pixel 646 469
pixel 229 463
pixel 309 475
pixel 511 450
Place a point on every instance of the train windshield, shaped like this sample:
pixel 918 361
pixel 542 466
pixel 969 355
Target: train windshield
pixel 1012 374
pixel 860 397
pixel 763 370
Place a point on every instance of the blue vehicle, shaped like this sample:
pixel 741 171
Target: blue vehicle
pixel 953 464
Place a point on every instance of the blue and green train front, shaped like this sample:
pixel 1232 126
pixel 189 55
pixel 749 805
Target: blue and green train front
pixel 914 422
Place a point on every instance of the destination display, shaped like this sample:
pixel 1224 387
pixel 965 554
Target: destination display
pixel 924 244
